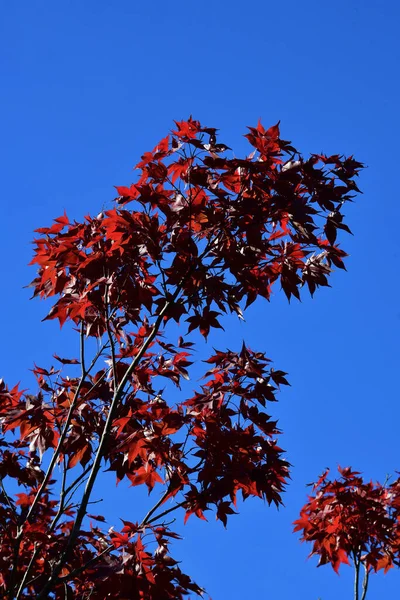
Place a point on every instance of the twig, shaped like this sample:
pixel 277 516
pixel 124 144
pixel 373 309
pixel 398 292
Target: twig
pixel 93 560
pixel 78 479
pixel 25 577
pixel 90 562
pixel 153 510
pixel 8 500
pixel 62 499
pixel 166 512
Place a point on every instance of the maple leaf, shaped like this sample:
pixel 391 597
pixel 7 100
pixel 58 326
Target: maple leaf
pixel 147 476
pixel 204 321
pixel 66 361
pixel 187 129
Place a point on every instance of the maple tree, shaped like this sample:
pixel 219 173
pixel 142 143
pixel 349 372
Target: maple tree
pixel 351 521
pixel 200 234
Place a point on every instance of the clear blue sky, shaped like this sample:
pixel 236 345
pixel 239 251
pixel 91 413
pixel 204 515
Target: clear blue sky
pixel 88 86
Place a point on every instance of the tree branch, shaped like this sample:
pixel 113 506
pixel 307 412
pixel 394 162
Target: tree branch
pixel 8 500
pixel 365 583
pixel 64 433
pixel 105 435
pixel 78 479
pixel 102 446
pixel 166 512
pixel 356 575
pixel 62 499
pixel 153 510
pixel 26 574
pixel 110 338
pixel 89 563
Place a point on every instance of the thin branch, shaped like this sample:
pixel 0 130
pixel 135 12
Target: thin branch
pixel 90 563
pixel 155 507
pixel 164 283
pixel 17 544
pixel 106 432
pixel 111 547
pixel 98 381
pixel 53 525
pixel 73 506
pixel 356 575
pixel 8 500
pixel 69 499
pixel 82 347
pixel 26 574
pixel 52 464
pixel 365 583
pixel 166 512
pixel 110 338
pixel 64 433
pixel 78 479
pixel 62 499
pixel 102 445
pixel 147 519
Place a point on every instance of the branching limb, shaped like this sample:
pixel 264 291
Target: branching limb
pixel 106 432
pixel 87 565
pixel 102 446
pixel 77 480
pixel 67 424
pixel 155 507
pixel 166 512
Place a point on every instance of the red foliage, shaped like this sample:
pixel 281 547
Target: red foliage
pixel 198 235
pixel 348 519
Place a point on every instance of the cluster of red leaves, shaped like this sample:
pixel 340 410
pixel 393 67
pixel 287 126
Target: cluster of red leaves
pixel 348 519
pixel 233 449
pixel 221 229
pixel 198 235
pixel 129 569
pixel 229 444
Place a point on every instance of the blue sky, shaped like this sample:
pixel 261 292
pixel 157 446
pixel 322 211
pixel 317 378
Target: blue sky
pixel 88 86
